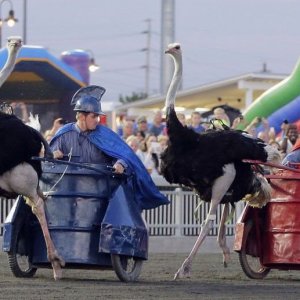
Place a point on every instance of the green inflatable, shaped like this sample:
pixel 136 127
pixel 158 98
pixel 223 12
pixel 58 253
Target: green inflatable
pixel 276 97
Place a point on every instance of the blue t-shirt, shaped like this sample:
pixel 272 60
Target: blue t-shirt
pixel 292 157
pixel 198 129
pixel 154 130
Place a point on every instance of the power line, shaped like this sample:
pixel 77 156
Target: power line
pixel 117 36
pixel 119 53
pixel 147 50
pixel 120 69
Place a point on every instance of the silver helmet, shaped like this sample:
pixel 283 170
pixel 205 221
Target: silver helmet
pixel 88 99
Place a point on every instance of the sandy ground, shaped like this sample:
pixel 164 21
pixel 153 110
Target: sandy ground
pixel 209 281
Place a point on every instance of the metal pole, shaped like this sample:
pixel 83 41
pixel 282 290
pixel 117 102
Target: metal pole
pixel 1 20
pixel 0 33
pixel 147 67
pixel 167 36
pixel 24 22
pixel 1 23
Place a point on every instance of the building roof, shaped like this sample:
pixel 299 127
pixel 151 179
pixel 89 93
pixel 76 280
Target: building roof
pixel 230 91
pixel 38 75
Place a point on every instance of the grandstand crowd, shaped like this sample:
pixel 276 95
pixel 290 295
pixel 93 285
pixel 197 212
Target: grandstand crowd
pixel 149 137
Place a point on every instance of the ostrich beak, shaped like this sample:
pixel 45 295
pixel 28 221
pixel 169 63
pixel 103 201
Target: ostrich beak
pixel 167 51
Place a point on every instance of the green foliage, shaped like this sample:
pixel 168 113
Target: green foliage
pixel 134 97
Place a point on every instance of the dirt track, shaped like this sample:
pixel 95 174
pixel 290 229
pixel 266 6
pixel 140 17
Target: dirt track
pixel 209 281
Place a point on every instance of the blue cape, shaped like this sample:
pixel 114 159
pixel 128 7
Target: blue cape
pixel 147 194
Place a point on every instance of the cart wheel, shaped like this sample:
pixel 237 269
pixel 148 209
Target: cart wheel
pixel 18 259
pixel 251 264
pixel 127 268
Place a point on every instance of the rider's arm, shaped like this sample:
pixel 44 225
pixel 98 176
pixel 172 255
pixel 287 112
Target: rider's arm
pixel 56 148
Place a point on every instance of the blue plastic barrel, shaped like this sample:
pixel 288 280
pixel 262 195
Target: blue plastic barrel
pixel 77 204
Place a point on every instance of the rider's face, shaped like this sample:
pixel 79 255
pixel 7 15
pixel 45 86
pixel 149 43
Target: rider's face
pixel 91 121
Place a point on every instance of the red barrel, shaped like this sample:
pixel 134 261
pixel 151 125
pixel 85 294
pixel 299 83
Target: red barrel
pixel 282 223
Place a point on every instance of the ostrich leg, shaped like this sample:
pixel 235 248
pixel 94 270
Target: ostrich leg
pixel 220 187
pixel 222 235
pixel 23 180
pixel 37 206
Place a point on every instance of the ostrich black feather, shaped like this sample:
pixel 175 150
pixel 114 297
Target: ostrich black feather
pixel 197 160
pixel 19 143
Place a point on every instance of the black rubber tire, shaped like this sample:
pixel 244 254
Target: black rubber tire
pixel 250 264
pixel 125 272
pixel 18 259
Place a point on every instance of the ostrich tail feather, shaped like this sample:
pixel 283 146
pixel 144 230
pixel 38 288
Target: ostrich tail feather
pixel 34 122
pixel 262 196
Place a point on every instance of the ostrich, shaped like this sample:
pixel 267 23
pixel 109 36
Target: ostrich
pixel 19 175
pixel 212 164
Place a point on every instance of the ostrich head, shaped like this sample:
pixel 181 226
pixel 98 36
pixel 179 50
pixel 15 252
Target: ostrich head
pixel 174 50
pixel 14 43
pixel 13 46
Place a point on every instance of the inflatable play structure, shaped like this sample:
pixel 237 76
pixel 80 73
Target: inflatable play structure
pixel 279 103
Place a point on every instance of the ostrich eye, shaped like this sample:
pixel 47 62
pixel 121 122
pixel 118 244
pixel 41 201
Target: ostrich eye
pixel 177 47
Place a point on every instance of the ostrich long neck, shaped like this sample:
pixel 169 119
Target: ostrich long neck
pixel 9 66
pixel 171 95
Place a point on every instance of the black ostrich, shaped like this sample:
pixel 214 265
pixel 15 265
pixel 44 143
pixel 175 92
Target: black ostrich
pixel 212 164
pixel 19 175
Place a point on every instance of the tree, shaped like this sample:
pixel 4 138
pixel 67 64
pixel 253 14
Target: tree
pixel 134 97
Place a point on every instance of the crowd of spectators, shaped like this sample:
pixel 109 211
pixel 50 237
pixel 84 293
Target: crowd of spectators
pixel 148 137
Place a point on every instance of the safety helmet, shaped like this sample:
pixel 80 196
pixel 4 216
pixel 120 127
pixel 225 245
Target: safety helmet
pixel 87 99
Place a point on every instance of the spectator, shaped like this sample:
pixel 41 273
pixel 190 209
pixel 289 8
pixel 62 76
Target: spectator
pixel 158 126
pixel 163 141
pixel 274 144
pixel 133 143
pixel 267 133
pixel 238 121
pixel 251 128
pixel 220 114
pixel 142 125
pixel 196 119
pixel 289 138
pixel 181 118
pixel 141 136
pixel 128 129
pixel 57 123
pixel 20 110
pixel 293 156
pixel 149 161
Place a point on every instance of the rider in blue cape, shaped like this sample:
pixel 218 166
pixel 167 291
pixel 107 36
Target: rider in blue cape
pixel 87 131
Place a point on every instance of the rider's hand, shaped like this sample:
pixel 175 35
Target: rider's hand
pixel 57 154
pixel 118 168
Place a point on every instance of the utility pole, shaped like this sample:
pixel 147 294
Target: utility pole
pixel 167 37
pixel 24 22
pixel 147 50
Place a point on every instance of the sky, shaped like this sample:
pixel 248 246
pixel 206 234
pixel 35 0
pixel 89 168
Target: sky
pixel 219 38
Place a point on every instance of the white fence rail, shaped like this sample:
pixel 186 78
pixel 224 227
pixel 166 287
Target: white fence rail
pixel 179 218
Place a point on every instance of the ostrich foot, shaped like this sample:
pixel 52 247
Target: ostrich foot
pixel 184 271
pixel 57 270
pixel 226 259
pixel 57 263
